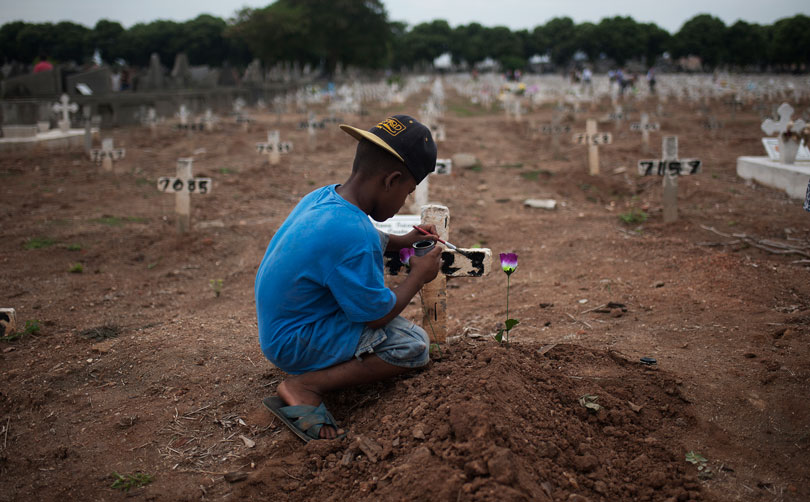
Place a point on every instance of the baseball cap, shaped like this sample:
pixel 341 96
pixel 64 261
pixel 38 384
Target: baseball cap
pixel 406 139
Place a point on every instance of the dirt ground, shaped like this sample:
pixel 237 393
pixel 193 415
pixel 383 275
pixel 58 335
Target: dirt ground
pixel 146 364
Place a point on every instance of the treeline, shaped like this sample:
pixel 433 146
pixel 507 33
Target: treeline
pixel 359 33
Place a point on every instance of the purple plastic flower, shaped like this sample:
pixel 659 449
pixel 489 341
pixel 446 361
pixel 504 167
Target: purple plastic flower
pixel 509 262
pixel 405 256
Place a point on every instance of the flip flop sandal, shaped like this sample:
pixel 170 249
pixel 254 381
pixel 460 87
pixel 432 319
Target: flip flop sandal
pixel 304 420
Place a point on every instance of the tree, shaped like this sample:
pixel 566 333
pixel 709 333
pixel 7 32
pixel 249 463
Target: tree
pixel 791 40
pixel 203 40
pixel 427 41
pixel 746 44
pixel 703 36
pixel 467 43
pixel 505 47
pixel 656 40
pixel 9 50
pixel 620 38
pixel 106 37
pixel 561 35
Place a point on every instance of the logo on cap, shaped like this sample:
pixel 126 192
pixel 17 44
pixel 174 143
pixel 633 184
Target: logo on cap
pixel 392 126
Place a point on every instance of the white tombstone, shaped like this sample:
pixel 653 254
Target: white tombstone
pixel 183 185
pixel 787 149
pixel 107 154
pixel 670 167
pixel 65 107
pixel 593 139
pixel 274 147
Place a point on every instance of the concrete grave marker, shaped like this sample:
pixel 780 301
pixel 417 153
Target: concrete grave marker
pixel 107 154
pixel 593 139
pixel 670 167
pixel 311 125
pixel 473 262
pixel 183 185
pixel 771 127
pixel 8 321
pixel 65 108
pixel 645 126
pixel 274 147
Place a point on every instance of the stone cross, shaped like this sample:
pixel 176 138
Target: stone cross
pixel 473 262
pixel 617 116
pixel 592 138
pixel 90 124
pixel 107 154
pixel 770 127
pixel 65 107
pixel 274 147
pixel 670 167
pixel 183 185
pixel 311 125
pixel 183 115
pixel 151 120
pixel 209 120
pixel 645 126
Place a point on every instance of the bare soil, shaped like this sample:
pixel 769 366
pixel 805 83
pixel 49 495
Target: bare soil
pixel 145 364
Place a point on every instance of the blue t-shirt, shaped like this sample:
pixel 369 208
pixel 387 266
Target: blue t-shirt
pixel 319 282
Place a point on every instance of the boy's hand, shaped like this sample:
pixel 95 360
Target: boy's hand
pixel 416 236
pixel 427 267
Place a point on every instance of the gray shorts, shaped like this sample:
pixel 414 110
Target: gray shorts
pixel 400 343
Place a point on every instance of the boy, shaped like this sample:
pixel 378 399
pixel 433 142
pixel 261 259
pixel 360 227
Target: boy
pixel 324 313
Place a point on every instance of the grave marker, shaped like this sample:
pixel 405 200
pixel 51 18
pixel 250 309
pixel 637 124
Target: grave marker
pixel 474 262
pixel 65 107
pixel 593 139
pixel 183 185
pixel 555 130
pixel 311 125
pixel 670 167
pixel 771 127
pixel 274 147
pixel 106 154
pixel 645 126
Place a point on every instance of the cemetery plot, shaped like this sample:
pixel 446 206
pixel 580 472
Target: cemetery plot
pixel 144 356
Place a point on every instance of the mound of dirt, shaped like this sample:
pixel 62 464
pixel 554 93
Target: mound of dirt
pixel 486 422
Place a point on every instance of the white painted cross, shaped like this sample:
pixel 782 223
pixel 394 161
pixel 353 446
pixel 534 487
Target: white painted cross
pixel 183 185
pixel 107 154
pixel 645 126
pixel 670 167
pixel 183 115
pixel 555 130
pixel 592 138
pixel 65 107
pixel 311 125
pixel 209 120
pixel 274 147
pixel 472 262
pixel 771 127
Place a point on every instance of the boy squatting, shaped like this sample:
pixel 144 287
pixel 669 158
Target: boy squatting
pixel 324 313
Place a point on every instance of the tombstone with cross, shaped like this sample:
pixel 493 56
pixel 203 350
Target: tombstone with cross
pixel 555 130
pixel 274 147
pixel 473 262
pixel 771 127
pixel 670 167
pixel 593 139
pixel 107 154
pixel 645 126
pixel 183 114
pixel 150 120
pixel 65 108
pixel 209 120
pixel 311 125
pixel 183 185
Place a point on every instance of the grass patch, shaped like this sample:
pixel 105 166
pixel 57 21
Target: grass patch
pixel 530 175
pixel 463 111
pixel 32 327
pixel 126 482
pixel 633 217
pixel 39 243
pixel 76 268
pixel 514 165
pixel 225 170
pixel 142 181
pixel 74 247
pixel 100 333
pixel 117 221
pixel 477 167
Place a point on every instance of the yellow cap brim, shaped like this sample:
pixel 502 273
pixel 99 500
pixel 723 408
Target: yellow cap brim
pixel 359 134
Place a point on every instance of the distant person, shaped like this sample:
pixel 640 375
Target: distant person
pixel 622 81
pixel 43 65
pixel 325 315
pixel 587 81
pixel 651 79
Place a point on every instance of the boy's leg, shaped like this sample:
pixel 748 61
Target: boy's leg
pixel 309 388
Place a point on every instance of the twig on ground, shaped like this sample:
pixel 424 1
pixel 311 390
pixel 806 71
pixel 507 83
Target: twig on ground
pixel 768 245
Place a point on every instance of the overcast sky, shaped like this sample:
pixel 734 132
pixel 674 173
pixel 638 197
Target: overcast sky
pixel 516 14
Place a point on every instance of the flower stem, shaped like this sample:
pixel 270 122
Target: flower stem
pixel 507 308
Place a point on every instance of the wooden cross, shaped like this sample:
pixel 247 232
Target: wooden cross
pixel 151 120
pixel 209 120
pixel 645 126
pixel 474 262
pixel 670 167
pixel 420 195
pixel 592 138
pixel 183 115
pixel 311 125
pixel 65 107
pixel 555 130
pixel 107 154
pixel 183 185
pixel 617 116
pixel 274 147
pixel 90 125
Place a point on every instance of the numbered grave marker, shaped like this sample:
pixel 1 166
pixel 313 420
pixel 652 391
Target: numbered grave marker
pixel 107 154
pixel 183 185
pixel 670 167
pixel 645 126
pixel 274 147
pixel 593 139
pixel 444 166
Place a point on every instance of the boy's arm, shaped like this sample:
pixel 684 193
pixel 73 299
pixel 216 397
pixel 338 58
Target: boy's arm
pixel 423 269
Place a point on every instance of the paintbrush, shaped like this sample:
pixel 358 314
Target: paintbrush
pixel 451 246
